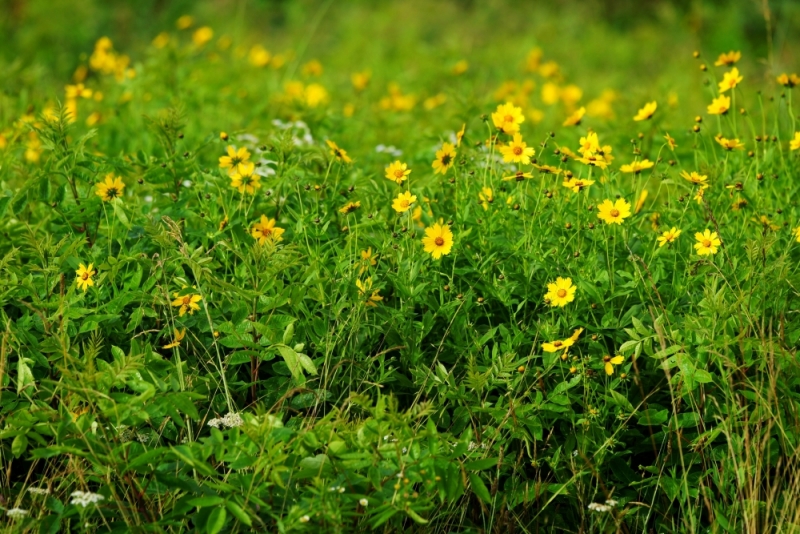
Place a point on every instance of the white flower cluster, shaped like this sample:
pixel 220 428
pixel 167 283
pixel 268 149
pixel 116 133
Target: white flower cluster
pixel 229 421
pixel 340 489
pixel 38 491
pixel 391 150
pixel 602 508
pixel 16 513
pixel 85 498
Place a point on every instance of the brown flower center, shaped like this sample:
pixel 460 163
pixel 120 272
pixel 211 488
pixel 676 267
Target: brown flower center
pixel 557 343
pixel 517 150
pixel 85 276
pixel 707 243
pixel 508 118
pixel 561 293
pixel 399 173
pixel 606 358
pixel 187 300
pixel 446 159
pixel 614 213
pixel 439 241
pixel 111 192
pixel 404 203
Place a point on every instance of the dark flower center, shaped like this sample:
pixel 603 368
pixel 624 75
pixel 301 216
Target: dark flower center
pixel 439 241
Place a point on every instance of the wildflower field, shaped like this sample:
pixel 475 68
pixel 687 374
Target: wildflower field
pixel 443 266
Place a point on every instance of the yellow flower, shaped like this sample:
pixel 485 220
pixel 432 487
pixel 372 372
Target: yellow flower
pixel 237 161
pixel 486 197
pixel 312 68
pixel 460 134
pixel 367 260
pixel 265 230
pixel 438 240
pixel 460 67
pixel 794 144
pixel 730 80
pixel 700 192
pixel 789 80
pixel 360 80
pixel 339 153
pixel 517 151
pixel 444 158
pixel 77 91
pixel 558 345
pixel 694 177
pixel 614 212
pixel 609 363
pixel 719 106
pixel 247 181
pixel 669 236
pixel 640 203
pixel 184 22
pixel 202 35
pixel 178 336
pixel 561 292
pixel 594 160
pixel 507 118
pixel 646 112
pixel 576 117
pixel 403 202
pixel 637 166
pixel 547 169
pixel 728 59
pixel 518 176
pixel 577 184
pixel 350 207
pixel 707 243
pixel 110 188
pixel 187 303
pixel 729 144
pixel 397 172
pixel 364 288
pixel 84 276
pixel 796 233
pixel 315 94
pixel 670 141
pixel 589 144
pixel 259 56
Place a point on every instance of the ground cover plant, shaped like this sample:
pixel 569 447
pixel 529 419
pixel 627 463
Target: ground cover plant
pixel 387 267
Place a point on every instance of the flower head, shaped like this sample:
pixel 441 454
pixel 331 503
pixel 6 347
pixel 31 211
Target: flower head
pixel 368 259
pixel 614 212
pixel 646 112
pixel 363 290
pixel 397 172
pixel 403 202
pixel 576 117
pixel 561 292
pixel 186 303
pixel 338 153
pixel 178 336
pixel 350 207
pixel 577 184
pixel 637 166
pixel 445 157
pixel 730 80
pixel 438 240
pixel 789 80
pixel 460 134
pixel 265 231
pixel 589 144
pixel 16 513
pixel 796 233
pixel 558 345
pixel 486 197
pixel 84 276
pixel 237 161
pixel 794 144
pixel 247 181
pixel 729 144
pixel 669 236
pixel 518 176
pixel 547 169
pixel 728 59
pixel 517 151
pixel 507 118
pixel 85 498
pixel 110 188
pixel 707 243
pixel 609 363
pixel 694 177
pixel 720 105
pixel 670 141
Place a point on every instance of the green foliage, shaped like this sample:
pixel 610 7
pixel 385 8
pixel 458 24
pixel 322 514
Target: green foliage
pixel 197 349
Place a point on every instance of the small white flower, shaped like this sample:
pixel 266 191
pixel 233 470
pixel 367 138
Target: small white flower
pixel 248 138
pixel 341 489
pixel 148 198
pixel 405 450
pixel 187 183
pixel 38 491
pixel 574 454
pixel 597 507
pixel 363 502
pixel 611 502
pixel 85 498
pixel 16 513
pixel 305 519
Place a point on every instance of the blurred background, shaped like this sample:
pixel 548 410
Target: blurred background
pixel 598 35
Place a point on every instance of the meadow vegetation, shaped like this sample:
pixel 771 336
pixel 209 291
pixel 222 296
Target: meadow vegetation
pixel 442 267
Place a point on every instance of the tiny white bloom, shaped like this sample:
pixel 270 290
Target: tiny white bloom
pixel 16 513
pixel 305 519
pixel 85 498
pixel 611 502
pixel 363 502
pixel 38 491
pixel 187 183
pixel 341 489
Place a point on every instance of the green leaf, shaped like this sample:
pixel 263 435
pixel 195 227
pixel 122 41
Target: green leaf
pixel 416 517
pixel 120 212
pixel 479 488
pixel 292 362
pixel 216 520
pixel 479 465
pixel 19 445
pixel 211 500
pixel 238 513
